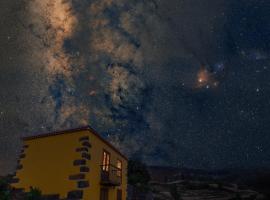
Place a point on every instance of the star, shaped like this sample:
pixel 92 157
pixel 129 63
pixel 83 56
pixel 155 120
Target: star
pixel 137 71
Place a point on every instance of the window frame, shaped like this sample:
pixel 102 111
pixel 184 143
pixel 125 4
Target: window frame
pixel 105 162
pixel 121 168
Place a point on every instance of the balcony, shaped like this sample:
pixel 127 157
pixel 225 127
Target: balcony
pixel 110 175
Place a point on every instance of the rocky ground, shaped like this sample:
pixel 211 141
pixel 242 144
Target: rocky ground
pixel 177 184
pixel 196 190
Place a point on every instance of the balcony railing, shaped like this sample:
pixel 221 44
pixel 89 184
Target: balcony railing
pixel 110 175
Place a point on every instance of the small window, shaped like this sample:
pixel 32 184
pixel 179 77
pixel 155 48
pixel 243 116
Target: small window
pixel 106 161
pixel 119 167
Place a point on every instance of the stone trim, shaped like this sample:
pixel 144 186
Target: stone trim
pixel 82 184
pixel 14 180
pixel 79 162
pixel 50 197
pixel 19 189
pixel 87 144
pixel 13 174
pixel 22 156
pixel 77 177
pixel 75 194
pixel 82 149
pixel 86 156
pixel 84 169
pixel 19 167
pixel 84 138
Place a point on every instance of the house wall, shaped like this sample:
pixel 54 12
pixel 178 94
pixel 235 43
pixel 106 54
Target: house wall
pixel 96 157
pixel 54 165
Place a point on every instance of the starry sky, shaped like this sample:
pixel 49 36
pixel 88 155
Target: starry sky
pixel 173 82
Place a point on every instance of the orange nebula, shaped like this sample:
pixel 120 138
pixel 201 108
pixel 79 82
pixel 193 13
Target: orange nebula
pixel 205 79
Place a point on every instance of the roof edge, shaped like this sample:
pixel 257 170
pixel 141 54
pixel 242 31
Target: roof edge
pixel 54 133
pixel 69 131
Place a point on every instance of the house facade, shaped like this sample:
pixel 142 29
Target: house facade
pixel 72 164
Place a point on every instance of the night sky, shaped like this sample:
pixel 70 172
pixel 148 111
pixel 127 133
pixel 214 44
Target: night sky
pixel 173 82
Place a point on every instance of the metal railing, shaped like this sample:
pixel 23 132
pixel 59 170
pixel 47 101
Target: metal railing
pixel 110 175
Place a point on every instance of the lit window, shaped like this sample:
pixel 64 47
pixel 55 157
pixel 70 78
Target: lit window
pixel 119 167
pixel 106 161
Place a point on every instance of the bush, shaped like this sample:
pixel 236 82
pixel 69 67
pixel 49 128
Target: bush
pixel 237 197
pixel 5 193
pixel 138 175
pixel 4 184
pixel 34 194
pixel 174 192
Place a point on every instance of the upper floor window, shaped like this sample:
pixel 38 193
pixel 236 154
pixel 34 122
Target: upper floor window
pixel 106 161
pixel 119 167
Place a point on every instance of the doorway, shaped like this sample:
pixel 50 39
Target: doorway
pixel 119 194
pixel 104 194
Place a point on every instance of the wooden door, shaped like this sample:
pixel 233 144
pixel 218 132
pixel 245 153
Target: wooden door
pixel 119 194
pixel 104 194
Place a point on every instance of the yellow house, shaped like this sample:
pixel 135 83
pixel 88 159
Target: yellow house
pixel 72 164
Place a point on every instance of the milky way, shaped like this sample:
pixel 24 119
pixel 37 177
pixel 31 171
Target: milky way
pixel 166 81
